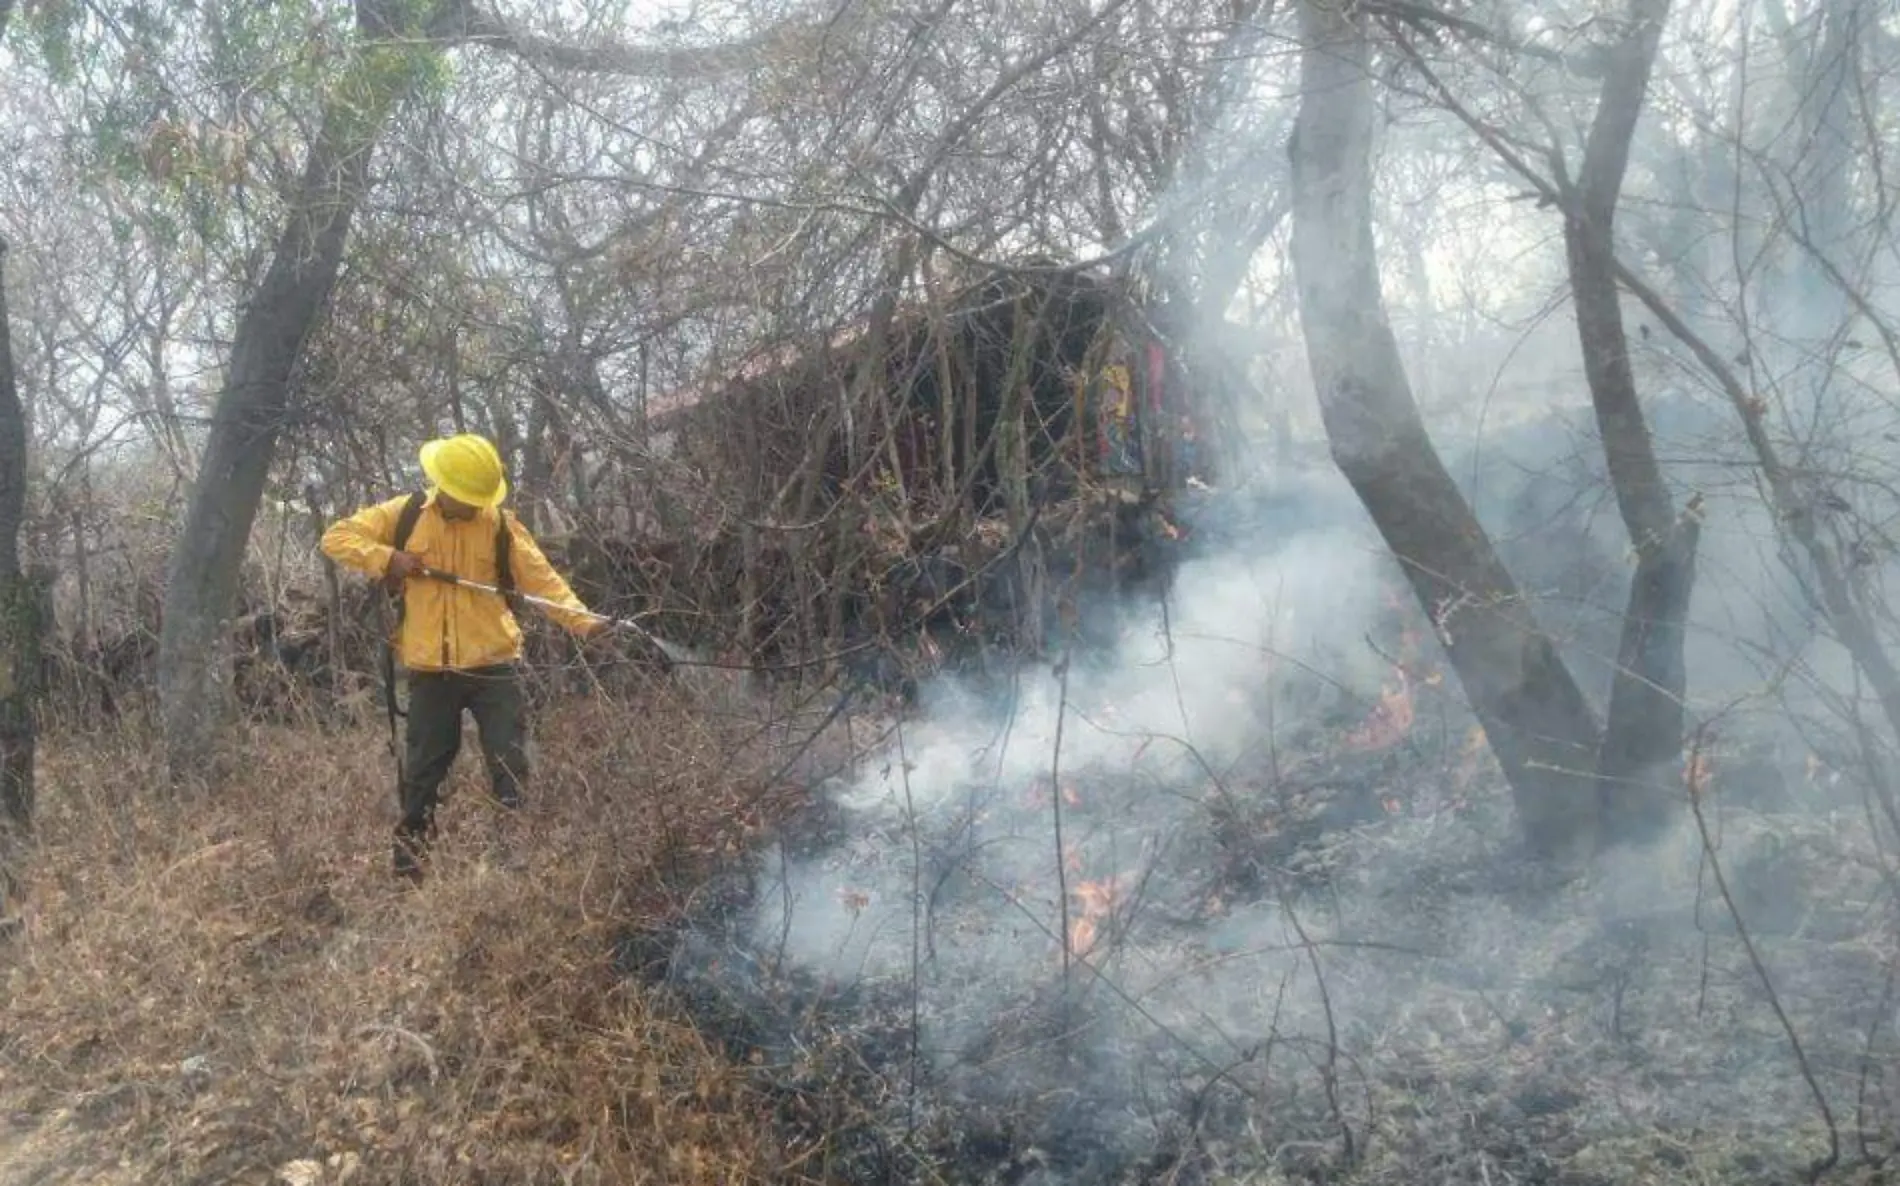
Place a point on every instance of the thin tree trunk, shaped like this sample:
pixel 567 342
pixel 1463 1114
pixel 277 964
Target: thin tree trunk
pixel 1642 738
pixel 194 683
pixel 537 468
pixel 21 621
pixel 1537 721
pixel 24 602
pixel 1796 510
pixel 19 618
pixel 750 617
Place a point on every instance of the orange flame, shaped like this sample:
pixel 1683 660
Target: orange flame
pixel 1471 757
pixel 1094 903
pixel 1081 936
pixel 1697 769
pixel 1390 719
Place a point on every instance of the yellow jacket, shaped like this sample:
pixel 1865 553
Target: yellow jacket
pixel 444 626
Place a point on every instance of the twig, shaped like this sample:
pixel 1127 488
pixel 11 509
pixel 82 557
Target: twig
pixel 1055 800
pixel 784 859
pixel 1867 1066
pixel 421 1043
pixel 1820 1165
pixel 1426 18
pixel 916 929
pixel 1329 1073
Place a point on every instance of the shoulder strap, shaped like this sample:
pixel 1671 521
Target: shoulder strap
pixel 406 521
pixel 504 564
pixel 405 526
pixel 504 547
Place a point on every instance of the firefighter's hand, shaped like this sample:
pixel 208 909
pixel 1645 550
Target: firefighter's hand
pixel 402 566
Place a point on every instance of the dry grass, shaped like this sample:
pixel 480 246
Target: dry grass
pixel 235 990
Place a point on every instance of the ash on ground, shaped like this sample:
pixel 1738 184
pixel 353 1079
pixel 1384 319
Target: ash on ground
pixel 1201 915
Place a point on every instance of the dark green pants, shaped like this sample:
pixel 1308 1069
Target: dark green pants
pixel 492 695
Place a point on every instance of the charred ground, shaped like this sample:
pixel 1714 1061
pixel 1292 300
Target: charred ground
pixel 1337 974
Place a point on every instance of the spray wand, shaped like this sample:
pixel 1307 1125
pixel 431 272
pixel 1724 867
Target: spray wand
pixel 673 651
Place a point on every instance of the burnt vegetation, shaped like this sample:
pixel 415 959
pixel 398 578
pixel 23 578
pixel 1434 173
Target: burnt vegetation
pixel 1285 592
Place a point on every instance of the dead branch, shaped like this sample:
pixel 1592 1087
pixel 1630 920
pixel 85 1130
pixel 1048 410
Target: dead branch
pixel 1055 800
pixel 1329 1073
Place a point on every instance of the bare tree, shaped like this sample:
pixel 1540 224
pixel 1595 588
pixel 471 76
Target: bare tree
pixel 1643 731
pixel 1538 722
pixel 202 585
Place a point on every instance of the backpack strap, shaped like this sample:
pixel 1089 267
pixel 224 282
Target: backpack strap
pixel 504 563
pixel 406 521
pixel 504 547
pixel 405 527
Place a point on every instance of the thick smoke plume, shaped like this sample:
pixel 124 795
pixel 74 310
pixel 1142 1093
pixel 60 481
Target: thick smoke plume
pixel 1139 742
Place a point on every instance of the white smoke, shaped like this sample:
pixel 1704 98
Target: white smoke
pixel 950 882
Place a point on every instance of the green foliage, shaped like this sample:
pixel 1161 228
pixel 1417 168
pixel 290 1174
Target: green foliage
pixel 179 106
pixel 382 75
pixel 50 27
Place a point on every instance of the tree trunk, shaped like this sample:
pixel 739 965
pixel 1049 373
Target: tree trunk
pixel 83 634
pixel 535 489
pixel 1642 738
pixel 20 605
pixel 22 626
pixel 751 625
pixel 194 661
pixel 1535 717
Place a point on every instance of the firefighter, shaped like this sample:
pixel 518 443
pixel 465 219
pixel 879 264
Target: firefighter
pixel 460 646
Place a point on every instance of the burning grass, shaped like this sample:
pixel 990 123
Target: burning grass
pixel 235 990
pixel 1318 961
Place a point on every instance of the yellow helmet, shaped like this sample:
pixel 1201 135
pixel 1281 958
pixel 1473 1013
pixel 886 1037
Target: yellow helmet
pixel 466 468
